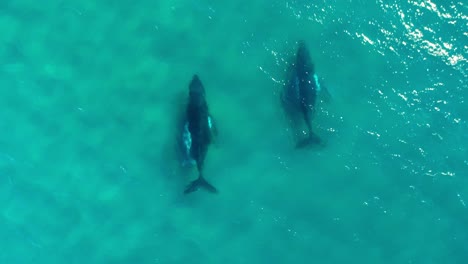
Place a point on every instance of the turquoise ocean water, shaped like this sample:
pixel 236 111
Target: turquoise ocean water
pixel 90 91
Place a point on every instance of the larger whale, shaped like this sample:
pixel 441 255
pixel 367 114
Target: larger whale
pixel 197 133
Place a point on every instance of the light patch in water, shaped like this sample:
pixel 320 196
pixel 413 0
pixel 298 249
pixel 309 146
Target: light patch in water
pixel 269 75
pixel 454 59
pixel 461 200
pixel 429 5
pixel 366 39
pixel 448 173
pixel 403 97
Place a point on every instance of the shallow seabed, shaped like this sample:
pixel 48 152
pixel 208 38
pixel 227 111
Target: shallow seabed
pixel 89 96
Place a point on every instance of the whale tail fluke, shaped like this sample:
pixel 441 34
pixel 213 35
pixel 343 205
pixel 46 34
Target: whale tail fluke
pixel 200 183
pixel 312 139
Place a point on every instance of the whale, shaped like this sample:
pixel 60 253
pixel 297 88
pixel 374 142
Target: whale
pixel 299 95
pixel 197 134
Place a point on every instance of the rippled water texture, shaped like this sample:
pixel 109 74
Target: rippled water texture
pixel 90 93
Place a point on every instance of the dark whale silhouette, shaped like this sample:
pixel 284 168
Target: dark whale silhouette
pixel 300 94
pixel 197 134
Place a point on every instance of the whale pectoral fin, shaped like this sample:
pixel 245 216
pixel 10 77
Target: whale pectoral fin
pixel 324 92
pixel 212 125
pixel 213 129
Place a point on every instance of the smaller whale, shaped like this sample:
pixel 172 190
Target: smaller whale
pixel 300 94
pixel 197 134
